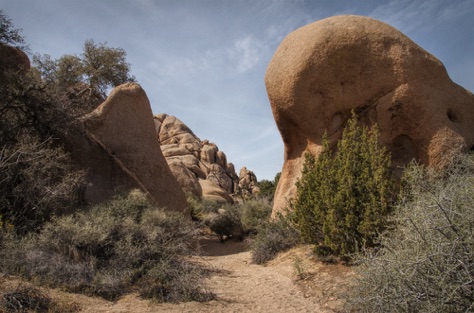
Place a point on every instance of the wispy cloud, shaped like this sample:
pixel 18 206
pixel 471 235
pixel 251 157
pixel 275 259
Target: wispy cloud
pixel 413 16
pixel 247 52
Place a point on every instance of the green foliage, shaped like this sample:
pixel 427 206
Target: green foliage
pixel 274 236
pixel 8 34
pixel 36 175
pixel 343 199
pixel 109 250
pixel 426 264
pixel 255 212
pixel 36 182
pixel 227 222
pixel 230 220
pixel 83 81
pixel 200 208
pixel 104 67
pixel 267 187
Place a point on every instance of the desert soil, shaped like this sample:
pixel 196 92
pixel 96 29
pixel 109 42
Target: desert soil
pixel 241 286
pixel 293 282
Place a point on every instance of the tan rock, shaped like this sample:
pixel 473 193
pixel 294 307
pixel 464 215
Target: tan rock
pixel 180 149
pixel 186 178
pixel 221 159
pixel 183 149
pixel 124 125
pixel 192 163
pixel 219 177
pixel 208 153
pixel 323 71
pixel 213 192
pixel 172 130
pixel 247 179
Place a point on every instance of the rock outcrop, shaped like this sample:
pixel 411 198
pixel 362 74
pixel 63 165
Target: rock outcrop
pixel 323 71
pixel 124 130
pixel 248 182
pixel 199 166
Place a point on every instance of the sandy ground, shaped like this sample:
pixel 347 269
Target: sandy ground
pixel 291 283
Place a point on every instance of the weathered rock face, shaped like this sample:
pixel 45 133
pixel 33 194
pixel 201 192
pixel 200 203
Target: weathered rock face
pixel 123 125
pixel 199 166
pixel 248 182
pixel 323 71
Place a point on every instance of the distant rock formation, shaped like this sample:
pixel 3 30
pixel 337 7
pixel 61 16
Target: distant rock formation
pixel 248 182
pixel 199 166
pixel 323 71
pixel 122 152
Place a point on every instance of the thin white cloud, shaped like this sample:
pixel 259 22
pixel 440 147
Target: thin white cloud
pixel 413 16
pixel 248 52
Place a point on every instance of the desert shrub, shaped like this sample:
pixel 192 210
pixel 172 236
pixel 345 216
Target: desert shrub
pixel 108 249
pixel 255 212
pixel 344 198
pixel 236 220
pixel 174 282
pixel 36 175
pixel 24 298
pixel 274 236
pixel 227 222
pixel 27 298
pixel 37 181
pixel 267 187
pixel 200 208
pixel 426 264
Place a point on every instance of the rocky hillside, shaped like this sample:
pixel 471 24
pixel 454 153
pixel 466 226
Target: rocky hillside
pixel 198 165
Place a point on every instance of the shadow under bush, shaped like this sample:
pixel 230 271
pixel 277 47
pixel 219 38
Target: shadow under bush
pixel 274 236
pixel 27 298
pixel 235 220
pixel 109 249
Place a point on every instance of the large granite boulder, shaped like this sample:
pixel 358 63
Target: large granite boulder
pixel 198 165
pixel 123 126
pixel 323 71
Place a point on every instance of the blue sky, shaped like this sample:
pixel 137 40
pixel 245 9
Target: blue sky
pixel 204 61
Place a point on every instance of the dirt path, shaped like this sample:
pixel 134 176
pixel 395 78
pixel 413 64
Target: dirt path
pixel 241 286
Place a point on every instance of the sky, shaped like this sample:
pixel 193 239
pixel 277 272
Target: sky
pixel 204 61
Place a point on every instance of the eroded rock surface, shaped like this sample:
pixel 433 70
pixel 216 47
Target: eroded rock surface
pixel 123 125
pixel 198 165
pixel 323 71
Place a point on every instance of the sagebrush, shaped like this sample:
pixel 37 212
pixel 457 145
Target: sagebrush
pixel 110 249
pixel 231 220
pixel 426 264
pixel 274 236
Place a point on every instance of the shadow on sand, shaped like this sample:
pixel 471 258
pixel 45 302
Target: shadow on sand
pixel 211 246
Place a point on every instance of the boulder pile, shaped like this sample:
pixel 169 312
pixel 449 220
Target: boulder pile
pixel 198 165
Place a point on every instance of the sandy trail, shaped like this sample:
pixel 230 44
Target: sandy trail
pixel 241 286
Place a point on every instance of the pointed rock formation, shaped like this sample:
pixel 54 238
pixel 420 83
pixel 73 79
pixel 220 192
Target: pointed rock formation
pixel 123 126
pixel 323 71
pixel 248 181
